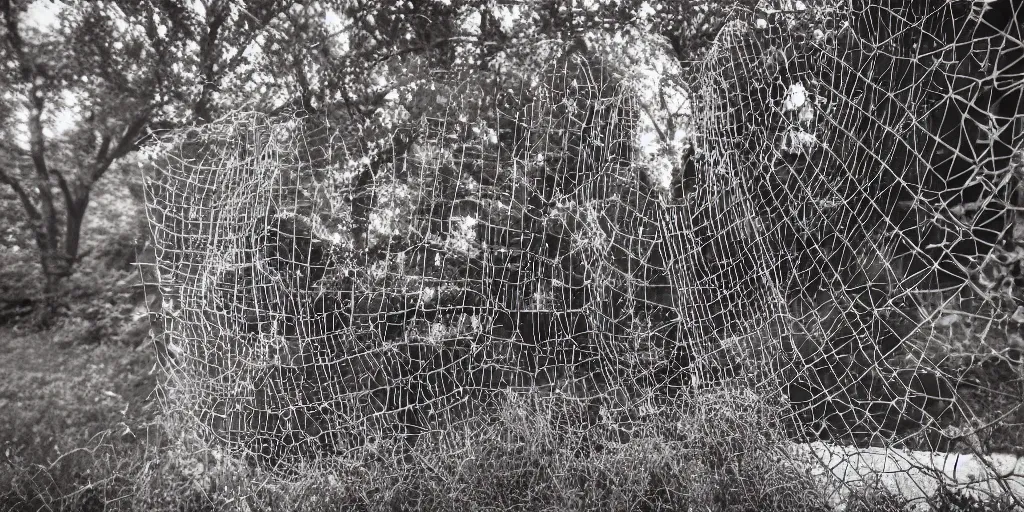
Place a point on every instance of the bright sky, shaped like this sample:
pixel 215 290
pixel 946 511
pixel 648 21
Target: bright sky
pixel 42 15
pixel 40 19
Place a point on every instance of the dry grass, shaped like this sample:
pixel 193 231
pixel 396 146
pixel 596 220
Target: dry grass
pixel 83 433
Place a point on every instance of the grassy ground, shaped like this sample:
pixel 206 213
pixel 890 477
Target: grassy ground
pixel 76 437
pixel 64 410
pixel 77 433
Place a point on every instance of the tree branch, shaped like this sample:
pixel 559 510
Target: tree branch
pixel 661 133
pixel 26 200
pixel 48 231
pixel 130 136
pixel 260 24
pixel 69 198
pixel 215 18
pixel 37 140
pixel 104 148
pixel 305 93
pixel 126 143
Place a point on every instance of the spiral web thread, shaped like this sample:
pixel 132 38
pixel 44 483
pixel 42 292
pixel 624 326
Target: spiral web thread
pixel 842 241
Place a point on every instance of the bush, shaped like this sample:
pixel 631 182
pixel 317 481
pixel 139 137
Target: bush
pixel 20 282
pixel 719 455
pixel 876 499
pixel 739 441
pixel 98 306
pixel 955 500
pixel 519 459
pixel 91 478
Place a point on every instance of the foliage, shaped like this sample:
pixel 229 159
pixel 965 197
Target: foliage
pixel 19 282
pixel 96 307
pixel 387 189
pixel 104 77
pixel 76 421
pixel 516 462
pixel 872 499
pixel 875 256
pixel 100 303
pixel 737 437
pixel 89 88
pixel 956 500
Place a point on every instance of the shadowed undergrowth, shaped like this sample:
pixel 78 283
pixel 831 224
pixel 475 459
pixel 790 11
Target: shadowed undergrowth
pixel 83 433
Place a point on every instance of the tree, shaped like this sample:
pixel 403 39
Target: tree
pixel 87 83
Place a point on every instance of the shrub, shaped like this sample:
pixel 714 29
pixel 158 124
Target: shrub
pixel 97 307
pixel 718 455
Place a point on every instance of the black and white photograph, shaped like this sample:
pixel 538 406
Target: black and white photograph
pixel 512 255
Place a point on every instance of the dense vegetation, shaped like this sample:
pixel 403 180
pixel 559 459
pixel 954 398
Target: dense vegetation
pixel 106 96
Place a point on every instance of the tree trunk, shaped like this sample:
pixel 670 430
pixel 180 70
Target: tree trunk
pixel 55 271
pixel 73 230
pixel 57 260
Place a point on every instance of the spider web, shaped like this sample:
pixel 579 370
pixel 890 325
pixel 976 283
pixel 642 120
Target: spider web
pixel 868 158
pixel 841 241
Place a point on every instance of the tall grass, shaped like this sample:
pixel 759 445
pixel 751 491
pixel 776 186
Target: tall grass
pixel 723 454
